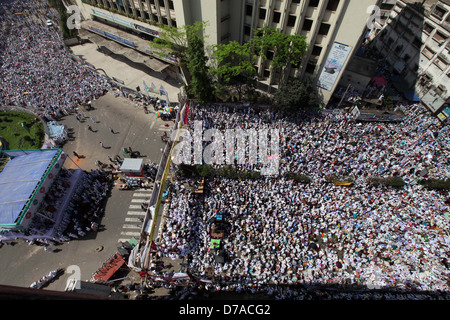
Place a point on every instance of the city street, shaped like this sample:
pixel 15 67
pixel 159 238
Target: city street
pixel 22 264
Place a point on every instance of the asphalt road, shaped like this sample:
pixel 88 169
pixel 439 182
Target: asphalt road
pixel 22 264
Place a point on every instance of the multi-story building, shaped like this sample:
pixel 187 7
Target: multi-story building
pixel 415 41
pixel 333 28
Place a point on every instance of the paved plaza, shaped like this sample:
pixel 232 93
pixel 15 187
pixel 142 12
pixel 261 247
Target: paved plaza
pixel 23 264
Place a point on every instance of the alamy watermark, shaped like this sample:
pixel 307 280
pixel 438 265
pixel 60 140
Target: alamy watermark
pixel 73 22
pixel 374 18
pixel 234 146
pixel 75 277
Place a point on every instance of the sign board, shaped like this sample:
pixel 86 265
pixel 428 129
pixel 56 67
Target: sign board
pixel 110 17
pixel 333 66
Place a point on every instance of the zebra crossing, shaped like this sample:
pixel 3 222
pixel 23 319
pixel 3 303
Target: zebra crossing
pixel 135 215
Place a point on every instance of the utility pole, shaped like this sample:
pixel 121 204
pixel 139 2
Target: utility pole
pixel 348 87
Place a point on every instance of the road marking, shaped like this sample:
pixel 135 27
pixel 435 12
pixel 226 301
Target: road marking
pixel 141 195
pixel 136 213
pixel 133 220
pixel 130 233
pixel 131 226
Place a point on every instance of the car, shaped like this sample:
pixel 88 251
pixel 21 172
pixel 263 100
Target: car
pixel 49 23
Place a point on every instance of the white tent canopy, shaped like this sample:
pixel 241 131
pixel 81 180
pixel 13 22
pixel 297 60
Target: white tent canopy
pixel 132 166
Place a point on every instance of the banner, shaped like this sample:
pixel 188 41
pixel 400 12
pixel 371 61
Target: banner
pixel 110 17
pixel 151 32
pixel 186 114
pixel 162 90
pixel 153 88
pixel 146 88
pixel 112 36
pixel 333 66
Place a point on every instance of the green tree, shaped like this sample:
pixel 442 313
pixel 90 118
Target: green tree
pixel 200 84
pixel 235 66
pixel 287 48
pixel 296 94
pixel 187 44
pixel 235 63
pixel 172 41
pixel 63 16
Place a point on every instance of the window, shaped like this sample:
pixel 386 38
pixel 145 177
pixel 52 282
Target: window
pixel 247 30
pixel 262 13
pixel 174 23
pixel 440 63
pixel 313 3
pixel 248 10
pixel 398 48
pixel 164 21
pixel 427 52
pixel 310 68
pixel 332 5
pixel 440 90
pixel 439 37
pixel 295 1
pixel 171 4
pixel 269 55
pixel 316 50
pixel 295 64
pixel 417 42
pixel 276 16
pixel 307 25
pixel 161 3
pixel 324 28
pixel 291 20
pixel 428 28
pixel 439 12
pixel 266 73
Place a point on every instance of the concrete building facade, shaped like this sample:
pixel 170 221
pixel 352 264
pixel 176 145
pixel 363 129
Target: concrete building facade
pixel 415 40
pixel 333 28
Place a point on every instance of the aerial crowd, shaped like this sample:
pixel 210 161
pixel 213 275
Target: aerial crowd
pixel 283 232
pixel 36 69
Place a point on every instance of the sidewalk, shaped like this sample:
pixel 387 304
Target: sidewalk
pixel 116 66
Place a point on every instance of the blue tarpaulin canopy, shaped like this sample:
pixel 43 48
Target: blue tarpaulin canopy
pixel 19 178
pixel 411 96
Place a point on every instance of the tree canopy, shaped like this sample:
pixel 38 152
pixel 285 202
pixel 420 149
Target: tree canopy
pixel 236 63
pixel 200 85
pixel 287 48
pixel 173 40
pixel 297 93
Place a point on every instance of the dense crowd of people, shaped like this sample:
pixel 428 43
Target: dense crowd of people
pixel 36 69
pixel 282 232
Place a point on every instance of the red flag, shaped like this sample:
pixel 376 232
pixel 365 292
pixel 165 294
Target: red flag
pixel 186 114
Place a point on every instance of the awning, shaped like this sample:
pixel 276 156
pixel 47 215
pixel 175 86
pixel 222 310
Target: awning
pixel 20 178
pixel 379 81
pixel 129 53
pixel 399 83
pixel 411 96
pixel 132 165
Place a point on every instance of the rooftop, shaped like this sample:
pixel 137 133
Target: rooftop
pixel 19 179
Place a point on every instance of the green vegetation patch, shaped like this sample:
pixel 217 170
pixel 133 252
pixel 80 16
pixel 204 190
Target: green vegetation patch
pixel 21 130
